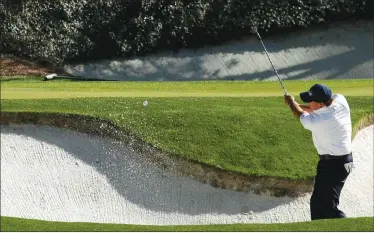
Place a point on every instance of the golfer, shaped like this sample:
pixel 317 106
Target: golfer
pixel 327 116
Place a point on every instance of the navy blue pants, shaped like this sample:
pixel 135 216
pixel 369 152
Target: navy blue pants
pixel 329 182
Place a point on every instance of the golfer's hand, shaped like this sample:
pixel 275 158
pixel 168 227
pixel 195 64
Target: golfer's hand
pixel 349 166
pixel 288 99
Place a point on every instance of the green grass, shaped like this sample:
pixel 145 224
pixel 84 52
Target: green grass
pixel 34 88
pixel 349 224
pixel 254 135
pixel 239 126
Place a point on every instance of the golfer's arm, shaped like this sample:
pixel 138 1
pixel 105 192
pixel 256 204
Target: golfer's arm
pixel 306 108
pixel 296 109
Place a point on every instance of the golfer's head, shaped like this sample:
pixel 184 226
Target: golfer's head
pixel 318 96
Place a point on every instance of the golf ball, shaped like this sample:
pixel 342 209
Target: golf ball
pixel 145 103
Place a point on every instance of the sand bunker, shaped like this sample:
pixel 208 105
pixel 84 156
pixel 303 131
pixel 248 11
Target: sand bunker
pixel 340 50
pixel 61 175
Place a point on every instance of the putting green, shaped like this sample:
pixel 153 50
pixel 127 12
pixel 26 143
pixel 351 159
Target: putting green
pixel 37 89
pixel 184 126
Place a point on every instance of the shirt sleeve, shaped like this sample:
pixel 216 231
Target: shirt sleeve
pixel 342 100
pixel 310 120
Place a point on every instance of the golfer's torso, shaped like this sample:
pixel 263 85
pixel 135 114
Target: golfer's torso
pixel 333 134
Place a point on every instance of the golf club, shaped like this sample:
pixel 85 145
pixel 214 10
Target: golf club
pixel 254 30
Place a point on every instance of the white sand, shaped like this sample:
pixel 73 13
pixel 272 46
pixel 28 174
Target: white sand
pixel 54 174
pixel 342 50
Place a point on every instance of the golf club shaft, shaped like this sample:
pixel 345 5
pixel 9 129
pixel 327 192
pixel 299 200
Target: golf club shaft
pixel 276 72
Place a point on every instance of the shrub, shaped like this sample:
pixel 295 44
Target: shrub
pixel 70 30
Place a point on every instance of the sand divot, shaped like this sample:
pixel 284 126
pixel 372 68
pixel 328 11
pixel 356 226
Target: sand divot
pixel 60 175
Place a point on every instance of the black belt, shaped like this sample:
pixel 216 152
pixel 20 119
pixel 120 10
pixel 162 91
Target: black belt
pixel 327 157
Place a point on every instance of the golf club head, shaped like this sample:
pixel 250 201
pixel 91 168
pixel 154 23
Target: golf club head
pixel 254 30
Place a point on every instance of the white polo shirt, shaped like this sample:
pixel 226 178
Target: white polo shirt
pixel 331 127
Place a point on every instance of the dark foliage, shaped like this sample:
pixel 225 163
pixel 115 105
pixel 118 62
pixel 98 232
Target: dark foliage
pixel 69 30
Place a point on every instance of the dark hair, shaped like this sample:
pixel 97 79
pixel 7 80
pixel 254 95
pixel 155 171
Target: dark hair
pixel 328 102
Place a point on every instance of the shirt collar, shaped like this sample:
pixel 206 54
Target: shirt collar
pixel 326 108
pixel 321 110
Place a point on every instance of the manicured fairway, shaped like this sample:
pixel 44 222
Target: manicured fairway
pixel 35 89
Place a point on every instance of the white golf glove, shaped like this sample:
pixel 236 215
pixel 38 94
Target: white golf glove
pixel 349 167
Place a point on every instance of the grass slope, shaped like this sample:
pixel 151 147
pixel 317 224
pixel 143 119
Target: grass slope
pixel 253 135
pixel 349 224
